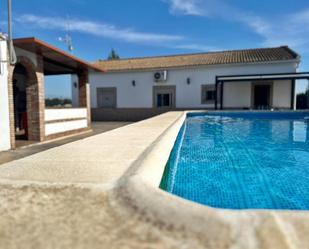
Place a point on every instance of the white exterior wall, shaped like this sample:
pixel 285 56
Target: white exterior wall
pixel 54 128
pixel 187 96
pixel 282 94
pixel 62 114
pixel 238 94
pixel 62 120
pixel 4 99
pixel 232 97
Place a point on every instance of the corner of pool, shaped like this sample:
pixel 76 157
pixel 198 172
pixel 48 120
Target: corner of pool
pixel 242 160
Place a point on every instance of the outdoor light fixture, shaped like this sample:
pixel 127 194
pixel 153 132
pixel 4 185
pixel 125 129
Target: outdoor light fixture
pixel 188 81
pixel 133 83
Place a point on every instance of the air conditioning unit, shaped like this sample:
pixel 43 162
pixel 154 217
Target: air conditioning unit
pixel 160 76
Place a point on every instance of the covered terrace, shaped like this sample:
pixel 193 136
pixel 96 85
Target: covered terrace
pixel 30 120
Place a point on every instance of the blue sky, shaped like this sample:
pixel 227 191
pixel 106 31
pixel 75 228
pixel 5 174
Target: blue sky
pixel 157 27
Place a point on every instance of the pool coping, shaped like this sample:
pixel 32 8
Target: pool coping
pixel 170 221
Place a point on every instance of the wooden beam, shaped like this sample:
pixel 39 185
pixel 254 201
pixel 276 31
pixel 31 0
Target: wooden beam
pixel 59 64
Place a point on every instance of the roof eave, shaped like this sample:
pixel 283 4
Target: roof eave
pixel 57 50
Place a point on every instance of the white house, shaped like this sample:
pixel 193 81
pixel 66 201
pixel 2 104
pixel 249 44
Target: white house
pixel 136 88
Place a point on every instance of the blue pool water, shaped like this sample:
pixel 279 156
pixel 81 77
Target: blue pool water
pixel 242 161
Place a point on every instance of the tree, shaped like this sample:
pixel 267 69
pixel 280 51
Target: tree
pixel 113 55
pixel 57 102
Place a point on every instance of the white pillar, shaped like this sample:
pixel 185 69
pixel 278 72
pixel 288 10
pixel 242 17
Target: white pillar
pixel 5 143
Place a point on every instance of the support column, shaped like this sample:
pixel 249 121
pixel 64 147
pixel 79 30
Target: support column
pixel 292 94
pixel 36 103
pixel 221 96
pixel 11 106
pixel 84 93
pixel 216 95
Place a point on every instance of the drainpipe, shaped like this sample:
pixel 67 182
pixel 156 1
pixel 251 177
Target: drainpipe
pixel 12 54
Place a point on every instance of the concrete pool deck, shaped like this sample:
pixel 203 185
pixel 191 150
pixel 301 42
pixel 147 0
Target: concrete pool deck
pixel 102 192
pixel 96 128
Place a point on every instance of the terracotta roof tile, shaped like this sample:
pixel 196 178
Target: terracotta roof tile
pixel 259 55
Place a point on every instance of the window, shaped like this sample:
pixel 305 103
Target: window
pixel 107 97
pixel 208 94
pixel 164 96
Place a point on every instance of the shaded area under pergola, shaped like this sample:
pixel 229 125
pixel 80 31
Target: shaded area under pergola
pixel 220 80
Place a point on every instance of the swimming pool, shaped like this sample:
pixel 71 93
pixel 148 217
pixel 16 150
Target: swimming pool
pixel 242 160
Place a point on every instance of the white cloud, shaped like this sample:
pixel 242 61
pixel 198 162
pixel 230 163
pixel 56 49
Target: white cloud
pixel 186 7
pixel 289 29
pixel 302 16
pixel 209 8
pixel 196 47
pixel 110 31
pixel 97 29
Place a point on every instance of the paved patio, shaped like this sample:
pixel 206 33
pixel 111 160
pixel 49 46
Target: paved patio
pixel 97 128
pixel 102 158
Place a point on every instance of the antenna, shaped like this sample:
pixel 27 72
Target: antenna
pixel 67 39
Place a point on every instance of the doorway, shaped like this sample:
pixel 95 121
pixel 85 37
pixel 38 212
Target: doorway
pixel 20 102
pixel 164 96
pixel 262 96
pixel 25 104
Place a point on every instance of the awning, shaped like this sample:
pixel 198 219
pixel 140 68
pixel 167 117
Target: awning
pixel 55 61
pixel 280 76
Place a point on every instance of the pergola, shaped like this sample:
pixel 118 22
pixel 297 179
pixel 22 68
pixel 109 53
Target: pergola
pixel 220 80
pixel 39 59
